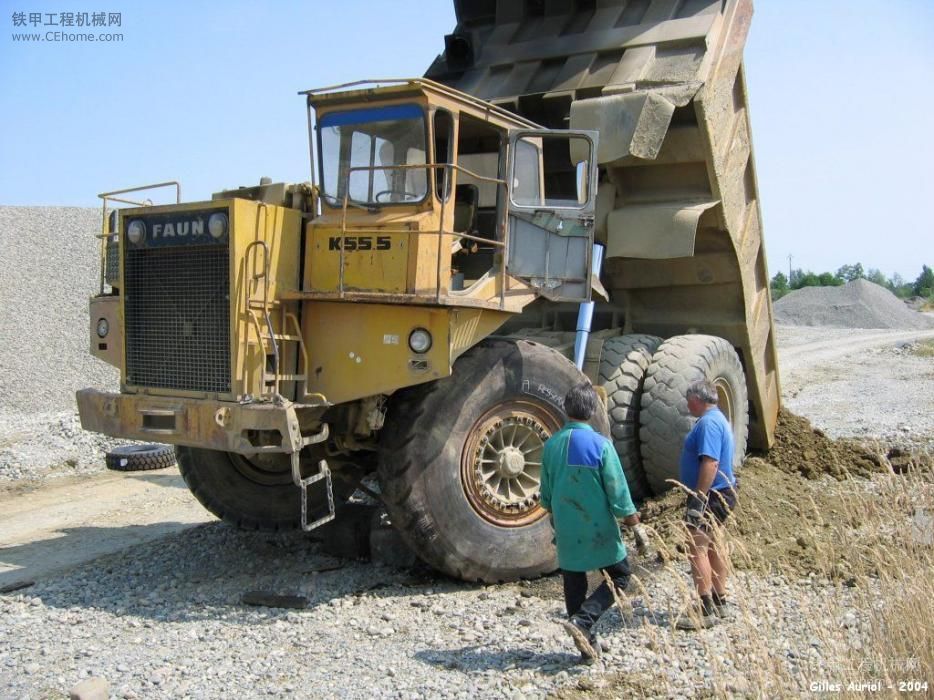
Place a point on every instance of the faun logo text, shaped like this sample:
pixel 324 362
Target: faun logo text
pixel 173 229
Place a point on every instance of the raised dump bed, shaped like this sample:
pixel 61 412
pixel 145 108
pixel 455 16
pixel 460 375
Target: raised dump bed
pixel 678 208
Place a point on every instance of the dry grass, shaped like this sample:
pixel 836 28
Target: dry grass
pixel 872 620
pixel 923 348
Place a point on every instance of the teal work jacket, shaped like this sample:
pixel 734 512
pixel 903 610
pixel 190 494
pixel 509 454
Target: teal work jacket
pixel 584 488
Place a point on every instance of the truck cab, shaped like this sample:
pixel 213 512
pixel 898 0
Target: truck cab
pixel 431 196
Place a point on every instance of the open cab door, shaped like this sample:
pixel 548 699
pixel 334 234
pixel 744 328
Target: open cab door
pixel 552 193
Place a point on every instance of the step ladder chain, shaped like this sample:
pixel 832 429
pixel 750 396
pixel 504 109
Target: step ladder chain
pixel 324 473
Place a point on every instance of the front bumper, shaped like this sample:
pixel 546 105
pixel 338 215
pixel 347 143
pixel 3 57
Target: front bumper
pixel 216 425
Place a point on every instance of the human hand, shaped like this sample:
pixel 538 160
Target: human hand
pixel 694 511
pixel 642 539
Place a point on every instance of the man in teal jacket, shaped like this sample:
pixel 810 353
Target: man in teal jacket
pixel 584 488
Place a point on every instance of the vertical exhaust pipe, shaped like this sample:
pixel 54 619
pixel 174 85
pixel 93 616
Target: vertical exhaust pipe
pixel 585 314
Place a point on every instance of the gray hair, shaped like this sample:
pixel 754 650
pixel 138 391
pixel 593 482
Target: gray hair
pixel 581 401
pixel 703 390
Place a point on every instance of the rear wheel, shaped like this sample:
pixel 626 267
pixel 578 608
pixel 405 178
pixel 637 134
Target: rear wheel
pixel 461 460
pixel 253 492
pixel 664 417
pixel 623 365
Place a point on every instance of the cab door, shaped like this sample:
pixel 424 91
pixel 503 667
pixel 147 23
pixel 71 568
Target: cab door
pixel 552 188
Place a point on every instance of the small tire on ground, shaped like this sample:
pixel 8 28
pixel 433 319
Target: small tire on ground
pixel 140 458
pixel 623 366
pixel 664 418
pixel 428 449
pixel 252 493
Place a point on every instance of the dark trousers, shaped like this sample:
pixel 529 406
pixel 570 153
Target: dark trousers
pixel 589 609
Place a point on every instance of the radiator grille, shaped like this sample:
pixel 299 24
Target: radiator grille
pixel 178 318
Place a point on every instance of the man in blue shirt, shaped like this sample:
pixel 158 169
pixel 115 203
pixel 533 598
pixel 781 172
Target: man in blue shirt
pixel 585 490
pixel 707 469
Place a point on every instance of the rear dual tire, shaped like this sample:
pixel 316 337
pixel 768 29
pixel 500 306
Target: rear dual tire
pixel 664 417
pixel 624 363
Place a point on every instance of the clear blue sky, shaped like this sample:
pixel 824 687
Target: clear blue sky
pixel 205 92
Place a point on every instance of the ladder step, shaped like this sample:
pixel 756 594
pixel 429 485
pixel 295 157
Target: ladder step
pixel 282 336
pixel 268 378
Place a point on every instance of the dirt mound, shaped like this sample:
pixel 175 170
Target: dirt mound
pixel 787 521
pixel 857 304
pixel 802 449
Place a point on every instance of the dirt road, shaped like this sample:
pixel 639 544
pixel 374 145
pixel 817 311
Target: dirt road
pixel 55 527
pixel 804 347
pixel 65 523
pixel 866 384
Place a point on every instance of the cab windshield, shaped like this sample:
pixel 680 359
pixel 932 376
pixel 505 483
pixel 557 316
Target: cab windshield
pixel 376 138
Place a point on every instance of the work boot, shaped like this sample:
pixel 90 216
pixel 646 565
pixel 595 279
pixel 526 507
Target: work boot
pixel 585 642
pixel 724 610
pixel 697 619
pixel 722 607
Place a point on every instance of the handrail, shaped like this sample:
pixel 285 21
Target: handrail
pixel 109 197
pixel 168 183
pixel 250 259
pixel 440 232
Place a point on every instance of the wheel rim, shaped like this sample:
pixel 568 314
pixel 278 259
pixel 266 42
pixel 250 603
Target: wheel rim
pixel 724 398
pixel 501 462
pixel 267 470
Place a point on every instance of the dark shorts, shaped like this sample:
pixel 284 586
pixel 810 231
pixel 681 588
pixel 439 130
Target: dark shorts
pixel 720 503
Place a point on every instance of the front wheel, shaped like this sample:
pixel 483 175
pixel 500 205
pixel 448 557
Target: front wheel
pixel 253 492
pixel 460 461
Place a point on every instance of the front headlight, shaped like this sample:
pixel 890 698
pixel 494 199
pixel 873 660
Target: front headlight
pixel 103 328
pixel 217 224
pixel 420 341
pixel 136 232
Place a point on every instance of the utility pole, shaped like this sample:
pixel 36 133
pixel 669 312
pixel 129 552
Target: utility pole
pixel 789 269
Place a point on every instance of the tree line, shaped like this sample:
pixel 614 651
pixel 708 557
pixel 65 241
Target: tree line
pixel 923 286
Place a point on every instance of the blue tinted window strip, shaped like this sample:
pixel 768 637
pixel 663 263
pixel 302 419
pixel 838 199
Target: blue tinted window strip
pixel 377 114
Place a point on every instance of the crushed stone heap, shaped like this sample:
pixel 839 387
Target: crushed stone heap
pixel 857 304
pixel 49 258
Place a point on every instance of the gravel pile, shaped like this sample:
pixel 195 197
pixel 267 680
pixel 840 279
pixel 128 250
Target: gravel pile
pixel 164 620
pixel 857 304
pixel 50 268
pixel 32 444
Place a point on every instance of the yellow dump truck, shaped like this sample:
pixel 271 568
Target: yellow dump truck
pixel 459 260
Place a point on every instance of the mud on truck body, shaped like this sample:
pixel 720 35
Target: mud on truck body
pixel 419 310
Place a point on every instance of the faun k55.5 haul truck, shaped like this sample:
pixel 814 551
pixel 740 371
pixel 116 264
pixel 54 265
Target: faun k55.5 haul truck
pixel 413 311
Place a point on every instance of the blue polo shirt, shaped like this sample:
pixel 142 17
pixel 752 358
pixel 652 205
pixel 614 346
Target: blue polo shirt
pixel 711 437
pixel 584 487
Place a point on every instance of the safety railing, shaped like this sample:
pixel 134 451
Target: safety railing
pixel 289 330
pixel 502 230
pixel 108 197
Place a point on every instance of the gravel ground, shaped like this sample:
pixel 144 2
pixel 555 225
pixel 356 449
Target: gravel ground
pixel 164 620
pixel 49 445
